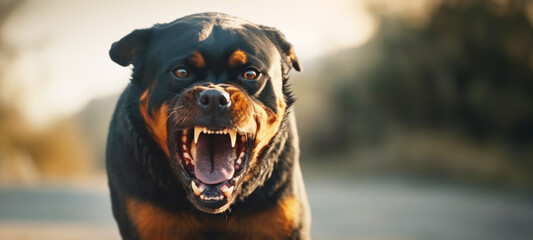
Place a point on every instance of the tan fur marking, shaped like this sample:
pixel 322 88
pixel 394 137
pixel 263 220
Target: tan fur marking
pixel 157 123
pixel 268 124
pixel 237 58
pixel 272 224
pixel 197 60
pixel 154 223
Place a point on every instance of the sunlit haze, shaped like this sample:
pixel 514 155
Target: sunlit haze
pixel 61 62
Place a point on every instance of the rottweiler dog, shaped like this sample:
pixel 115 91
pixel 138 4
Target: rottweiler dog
pixel 203 141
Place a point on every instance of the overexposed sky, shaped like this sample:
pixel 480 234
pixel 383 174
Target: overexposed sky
pixel 61 47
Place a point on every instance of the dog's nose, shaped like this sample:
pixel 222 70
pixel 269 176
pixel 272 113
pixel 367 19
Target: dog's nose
pixel 214 100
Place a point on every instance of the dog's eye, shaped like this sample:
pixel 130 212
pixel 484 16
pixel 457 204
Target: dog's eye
pixel 181 72
pixel 250 74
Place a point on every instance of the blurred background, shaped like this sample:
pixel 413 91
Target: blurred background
pixel 415 116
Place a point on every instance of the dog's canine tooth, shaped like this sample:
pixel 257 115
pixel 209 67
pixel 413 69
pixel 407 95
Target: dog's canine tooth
pixel 197 131
pixel 226 191
pixel 233 136
pixel 195 189
pixel 201 187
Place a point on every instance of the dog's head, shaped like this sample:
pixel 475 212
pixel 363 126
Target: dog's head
pixel 213 94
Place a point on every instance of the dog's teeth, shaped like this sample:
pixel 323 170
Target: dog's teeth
pixel 239 159
pixel 186 155
pixel 202 197
pixel 184 139
pixel 201 187
pixel 233 136
pixel 195 189
pixel 197 131
pixel 193 153
pixel 227 191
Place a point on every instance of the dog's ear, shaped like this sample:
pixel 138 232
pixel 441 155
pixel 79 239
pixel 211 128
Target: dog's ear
pixel 126 49
pixel 283 45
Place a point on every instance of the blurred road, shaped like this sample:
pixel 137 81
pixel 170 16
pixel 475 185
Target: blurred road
pixel 363 209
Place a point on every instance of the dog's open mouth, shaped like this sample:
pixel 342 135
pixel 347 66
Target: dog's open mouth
pixel 213 159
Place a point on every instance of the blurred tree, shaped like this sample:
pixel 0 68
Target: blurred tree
pixel 468 70
pixel 28 154
pixel 470 67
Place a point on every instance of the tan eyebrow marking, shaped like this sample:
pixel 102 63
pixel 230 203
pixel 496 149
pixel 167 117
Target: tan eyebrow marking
pixel 237 58
pixel 197 60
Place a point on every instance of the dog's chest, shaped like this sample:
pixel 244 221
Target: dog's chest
pixel 152 222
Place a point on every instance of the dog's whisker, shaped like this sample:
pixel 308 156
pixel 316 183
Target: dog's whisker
pixel 170 114
pixel 177 107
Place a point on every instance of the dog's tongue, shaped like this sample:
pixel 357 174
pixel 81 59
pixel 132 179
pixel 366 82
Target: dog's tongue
pixel 213 159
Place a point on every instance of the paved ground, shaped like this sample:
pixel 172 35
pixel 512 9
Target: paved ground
pixel 363 209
